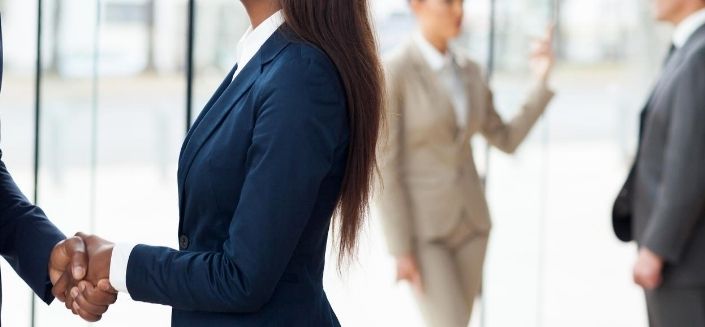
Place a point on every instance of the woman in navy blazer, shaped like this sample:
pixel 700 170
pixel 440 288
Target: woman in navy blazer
pixel 274 155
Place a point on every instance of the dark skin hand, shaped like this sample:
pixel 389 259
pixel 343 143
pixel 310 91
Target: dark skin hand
pixel 68 261
pixel 91 296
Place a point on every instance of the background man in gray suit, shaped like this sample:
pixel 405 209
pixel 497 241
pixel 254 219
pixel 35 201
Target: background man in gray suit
pixel 662 204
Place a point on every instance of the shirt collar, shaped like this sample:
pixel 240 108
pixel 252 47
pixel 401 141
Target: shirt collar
pixel 434 58
pixel 253 39
pixel 687 27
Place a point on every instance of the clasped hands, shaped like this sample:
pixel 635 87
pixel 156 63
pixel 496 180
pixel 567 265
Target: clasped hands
pixel 79 270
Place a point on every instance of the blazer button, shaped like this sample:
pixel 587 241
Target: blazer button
pixel 183 242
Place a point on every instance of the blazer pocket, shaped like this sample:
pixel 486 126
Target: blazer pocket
pixel 436 210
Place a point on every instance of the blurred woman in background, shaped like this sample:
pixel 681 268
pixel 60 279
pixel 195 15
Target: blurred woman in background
pixel 435 214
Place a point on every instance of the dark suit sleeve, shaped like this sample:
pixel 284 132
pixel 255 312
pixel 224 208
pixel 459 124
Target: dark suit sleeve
pixel 298 130
pixel 26 236
pixel 680 202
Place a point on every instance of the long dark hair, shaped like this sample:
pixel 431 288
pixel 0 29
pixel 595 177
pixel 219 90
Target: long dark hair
pixel 342 29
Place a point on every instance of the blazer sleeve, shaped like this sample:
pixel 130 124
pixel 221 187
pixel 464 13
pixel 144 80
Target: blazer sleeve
pixel 508 136
pixel 27 237
pixel 680 201
pixel 299 132
pixel 394 198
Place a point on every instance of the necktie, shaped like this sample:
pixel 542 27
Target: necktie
pixel 644 113
pixel 671 51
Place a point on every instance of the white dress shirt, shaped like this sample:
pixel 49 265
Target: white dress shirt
pixel 687 27
pixel 249 45
pixel 448 72
pixel 252 40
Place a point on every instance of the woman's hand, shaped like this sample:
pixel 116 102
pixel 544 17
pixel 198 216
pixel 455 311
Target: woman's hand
pixel 408 270
pixel 542 56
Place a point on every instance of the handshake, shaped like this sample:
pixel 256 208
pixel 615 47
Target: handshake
pixel 79 270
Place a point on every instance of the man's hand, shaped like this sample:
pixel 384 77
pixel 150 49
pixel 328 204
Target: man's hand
pixel 68 264
pixel 648 269
pixel 91 302
pixel 408 270
pixel 100 252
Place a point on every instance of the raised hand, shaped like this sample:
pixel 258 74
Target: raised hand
pixel 542 56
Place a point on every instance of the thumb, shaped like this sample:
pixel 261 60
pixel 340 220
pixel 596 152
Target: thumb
pixel 400 275
pixel 550 32
pixel 417 282
pixel 76 250
pixel 104 285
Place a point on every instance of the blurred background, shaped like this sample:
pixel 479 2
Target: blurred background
pixel 113 94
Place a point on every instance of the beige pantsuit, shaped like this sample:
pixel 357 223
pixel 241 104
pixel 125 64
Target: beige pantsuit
pixel 432 200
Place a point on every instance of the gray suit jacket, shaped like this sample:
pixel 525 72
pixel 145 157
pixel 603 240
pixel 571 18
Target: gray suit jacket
pixel 662 205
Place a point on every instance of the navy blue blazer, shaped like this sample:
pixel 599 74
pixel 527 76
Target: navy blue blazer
pixel 259 177
pixel 26 235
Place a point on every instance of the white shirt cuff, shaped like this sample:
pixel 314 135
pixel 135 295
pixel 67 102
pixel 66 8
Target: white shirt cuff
pixel 118 266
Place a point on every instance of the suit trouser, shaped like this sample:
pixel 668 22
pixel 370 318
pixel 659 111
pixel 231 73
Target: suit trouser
pixel 676 307
pixel 451 271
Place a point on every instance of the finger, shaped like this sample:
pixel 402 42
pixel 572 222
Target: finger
pixel 104 285
pixel 61 286
pixel 76 250
pixel 97 296
pixel 550 32
pixel 635 278
pixel 81 235
pixel 540 50
pixel 636 274
pixel 87 316
pixel 654 281
pixel 87 305
pixel 416 284
pixel 648 284
pixel 542 47
pixel 69 301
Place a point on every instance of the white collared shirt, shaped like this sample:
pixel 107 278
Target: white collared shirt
pixel 254 39
pixel 446 69
pixel 687 27
pixel 247 47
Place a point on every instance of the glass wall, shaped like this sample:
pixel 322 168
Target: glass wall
pixel 17 141
pixel 113 98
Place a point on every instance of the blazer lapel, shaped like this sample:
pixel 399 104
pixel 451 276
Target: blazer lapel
pixel 224 104
pixel 473 89
pixel 223 85
pixel 217 113
pixel 434 90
